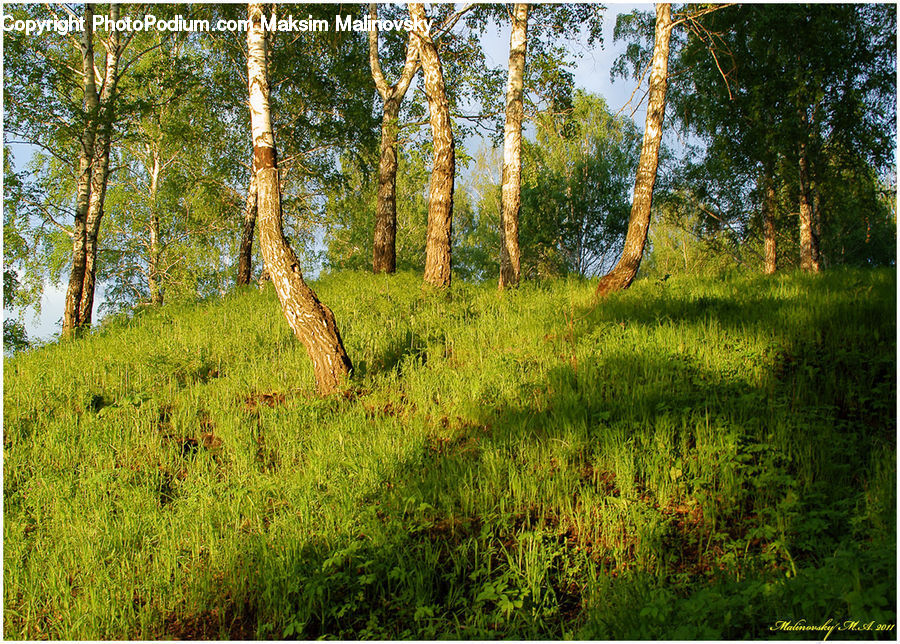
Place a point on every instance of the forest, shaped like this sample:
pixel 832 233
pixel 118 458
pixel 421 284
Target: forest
pixel 372 333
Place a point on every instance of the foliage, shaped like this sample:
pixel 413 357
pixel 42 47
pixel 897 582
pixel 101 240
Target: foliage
pixel 576 184
pixel 577 178
pixel 14 336
pixel 549 83
pixel 350 216
pixel 861 226
pixel 695 458
pixel 476 226
pixel 170 184
pixel 179 99
pixel 754 83
pixel 42 106
pixel 349 220
pixel 738 90
pixel 681 244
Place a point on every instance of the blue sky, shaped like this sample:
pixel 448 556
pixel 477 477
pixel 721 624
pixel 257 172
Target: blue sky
pixel 591 73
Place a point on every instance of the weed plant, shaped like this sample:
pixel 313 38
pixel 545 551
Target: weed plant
pixel 693 458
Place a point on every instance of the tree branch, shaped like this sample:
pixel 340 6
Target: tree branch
pixel 49 216
pixel 451 21
pixel 636 88
pixel 701 12
pixel 374 63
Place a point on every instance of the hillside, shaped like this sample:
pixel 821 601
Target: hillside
pixel 693 458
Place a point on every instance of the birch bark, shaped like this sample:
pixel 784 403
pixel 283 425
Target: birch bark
pixel 440 198
pixel 154 274
pixel 85 166
pixel 639 223
pixel 245 253
pixel 100 172
pixel 510 266
pixel 809 244
pixel 312 322
pixel 771 252
pixel 384 250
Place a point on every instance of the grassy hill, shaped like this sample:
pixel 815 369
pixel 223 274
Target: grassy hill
pixel 694 458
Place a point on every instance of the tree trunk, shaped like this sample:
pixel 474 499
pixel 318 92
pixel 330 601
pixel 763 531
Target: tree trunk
pixel 85 167
pixel 769 222
pixel 154 279
pixel 76 278
pixel 312 322
pixel 384 251
pixel 639 223
pixel 384 247
pixel 251 210
pixel 100 171
pixel 512 151
pixel 95 216
pixel 809 244
pixel 440 198
pixel 245 255
pixel 817 219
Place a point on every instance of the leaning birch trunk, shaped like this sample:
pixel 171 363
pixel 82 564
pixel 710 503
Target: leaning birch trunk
pixel 384 247
pixel 639 223
pixel 245 254
pixel 440 198
pixel 512 151
pixel 100 172
pixel 312 322
pixel 809 245
pixel 769 223
pixel 85 167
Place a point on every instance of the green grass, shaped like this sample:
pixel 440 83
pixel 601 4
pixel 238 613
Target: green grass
pixel 694 458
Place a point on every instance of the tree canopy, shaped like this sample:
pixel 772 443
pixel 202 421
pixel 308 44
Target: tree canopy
pixel 775 114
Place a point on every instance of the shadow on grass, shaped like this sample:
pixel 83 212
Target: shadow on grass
pixel 401 352
pixel 632 496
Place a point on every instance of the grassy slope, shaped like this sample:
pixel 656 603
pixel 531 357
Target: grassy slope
pixel 694 458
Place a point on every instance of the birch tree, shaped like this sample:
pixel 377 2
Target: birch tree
pixel 71 312
pixel 245 252
pixel 511 180
pixel 809 238
pixel 537 66
pixel 320 93
pixel 440 199
pixel 625 270
pixel 312 322
pixel 100 171
pixel 56 97
pixel 769 206
pixel 384 254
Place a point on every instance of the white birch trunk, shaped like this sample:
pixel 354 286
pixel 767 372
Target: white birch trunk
pixel 312 322
pixel 100 173
pixel 510 264
pixel 639 223
pixel 83 189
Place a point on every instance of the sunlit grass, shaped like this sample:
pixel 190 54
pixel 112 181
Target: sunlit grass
pixel 692 458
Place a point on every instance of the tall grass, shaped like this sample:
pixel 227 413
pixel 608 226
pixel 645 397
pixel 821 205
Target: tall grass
pixel 691 458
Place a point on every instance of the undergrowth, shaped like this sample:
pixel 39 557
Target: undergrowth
pixel 693 458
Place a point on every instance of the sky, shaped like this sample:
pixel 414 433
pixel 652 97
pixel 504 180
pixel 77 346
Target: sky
pixel 591 73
